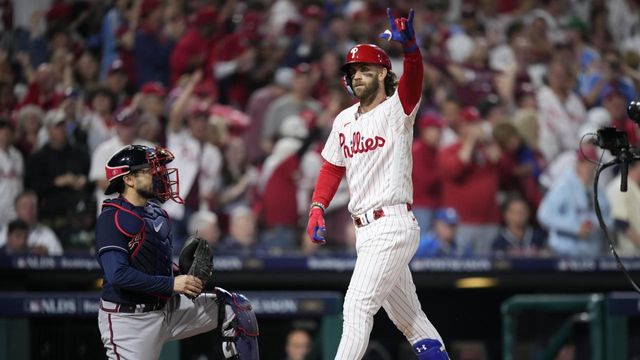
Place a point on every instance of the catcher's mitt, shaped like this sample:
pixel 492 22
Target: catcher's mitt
pixel 196 258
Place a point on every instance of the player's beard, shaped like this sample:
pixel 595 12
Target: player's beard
pixel 368 92
pixel 146 192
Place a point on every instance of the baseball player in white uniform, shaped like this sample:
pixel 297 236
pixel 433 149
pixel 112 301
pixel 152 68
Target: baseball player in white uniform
pixel 371 143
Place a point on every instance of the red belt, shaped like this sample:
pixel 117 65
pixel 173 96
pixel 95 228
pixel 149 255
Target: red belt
pixel 371 216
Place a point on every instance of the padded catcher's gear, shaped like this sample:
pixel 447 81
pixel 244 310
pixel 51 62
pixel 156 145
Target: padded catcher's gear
pixel 238 326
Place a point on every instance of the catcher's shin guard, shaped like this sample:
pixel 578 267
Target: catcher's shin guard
pixel 430 349
pixel 238 326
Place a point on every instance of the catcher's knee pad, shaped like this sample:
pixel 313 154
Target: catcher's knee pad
pixel 238 326
pixel 430 349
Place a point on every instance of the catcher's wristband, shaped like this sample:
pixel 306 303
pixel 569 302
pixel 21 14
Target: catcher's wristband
pixel 318 205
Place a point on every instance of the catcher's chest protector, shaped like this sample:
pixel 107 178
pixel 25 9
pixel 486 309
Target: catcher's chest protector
pixel 149 230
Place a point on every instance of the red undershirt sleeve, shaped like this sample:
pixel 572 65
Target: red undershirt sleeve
pixel 327 184
pixel 410 84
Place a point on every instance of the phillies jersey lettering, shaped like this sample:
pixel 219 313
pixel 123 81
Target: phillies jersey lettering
pixel 360 144
pixel 373 147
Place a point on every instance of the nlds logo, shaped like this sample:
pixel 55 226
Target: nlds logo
pixel 359 144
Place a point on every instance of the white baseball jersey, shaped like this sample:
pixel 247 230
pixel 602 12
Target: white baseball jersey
pixel 375 148
pixel 11 177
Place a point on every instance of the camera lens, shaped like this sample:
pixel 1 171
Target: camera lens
pixel 633 110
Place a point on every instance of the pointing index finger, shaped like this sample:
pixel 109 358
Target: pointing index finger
pixel 410 19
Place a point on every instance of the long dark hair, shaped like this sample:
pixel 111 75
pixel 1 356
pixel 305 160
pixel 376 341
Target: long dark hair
pixel 390 83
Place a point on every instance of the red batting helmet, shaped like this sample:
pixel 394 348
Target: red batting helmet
pixel 366 53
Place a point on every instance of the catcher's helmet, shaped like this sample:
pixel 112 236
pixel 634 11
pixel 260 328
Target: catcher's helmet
pixel 366 53
pixel 137 157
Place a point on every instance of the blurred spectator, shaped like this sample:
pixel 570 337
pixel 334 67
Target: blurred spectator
pixel 622 18
pixel 472 76
pixel 567 210
pixel 152 99
pixel 153 46
pixel 117 81
pixel 125 123
pixel 599 33
pixel 74 110
pixel 441 240
pixel 98 122
pixel 306 47
pixel 204 223
pixel 40 236
pixel 197 160
pixel 114 20
pixel 328 86
pixel 298 345
pixel 517 236
pixel 149 129
pixel 70 109
pixel 609 74
pixel 538 33
pixel 257 106
pixel 42 90
pixel 338 35
pixel 278 184
pixel 29 123
pixel 192 50
pixel 523 166
pixel 297 100
pixel 561 112
pixel 513 53
pixel 282 12
pixel 58 174
pixel 85 72
pixel 526 122
pixel 470 177
pixel 493 110
pixel 237 177
pixel 453 117
pixel 625 211
pixel 585 56
pixel 16 243
pixel 11 171
pixel 8 99
pixel 525 97
pixel 427 184
pixel 242 237
pixel 613 112
pixel 234 57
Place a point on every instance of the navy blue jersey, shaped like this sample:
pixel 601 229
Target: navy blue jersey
pixel 133 246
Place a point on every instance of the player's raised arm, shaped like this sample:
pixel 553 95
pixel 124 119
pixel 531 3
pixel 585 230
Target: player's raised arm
pixel 410 85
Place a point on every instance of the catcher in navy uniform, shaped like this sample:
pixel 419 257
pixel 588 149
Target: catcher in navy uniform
pixel 143 304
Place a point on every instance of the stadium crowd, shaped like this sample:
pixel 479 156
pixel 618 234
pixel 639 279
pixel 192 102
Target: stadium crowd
pixel 244 93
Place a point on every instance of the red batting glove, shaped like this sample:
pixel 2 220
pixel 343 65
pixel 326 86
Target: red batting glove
pixel 315 226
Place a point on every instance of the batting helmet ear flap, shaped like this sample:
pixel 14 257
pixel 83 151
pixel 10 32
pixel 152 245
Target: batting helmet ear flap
pixel 346 82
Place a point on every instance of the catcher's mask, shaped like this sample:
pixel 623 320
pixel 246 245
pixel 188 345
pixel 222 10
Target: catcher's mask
pixel 131 158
